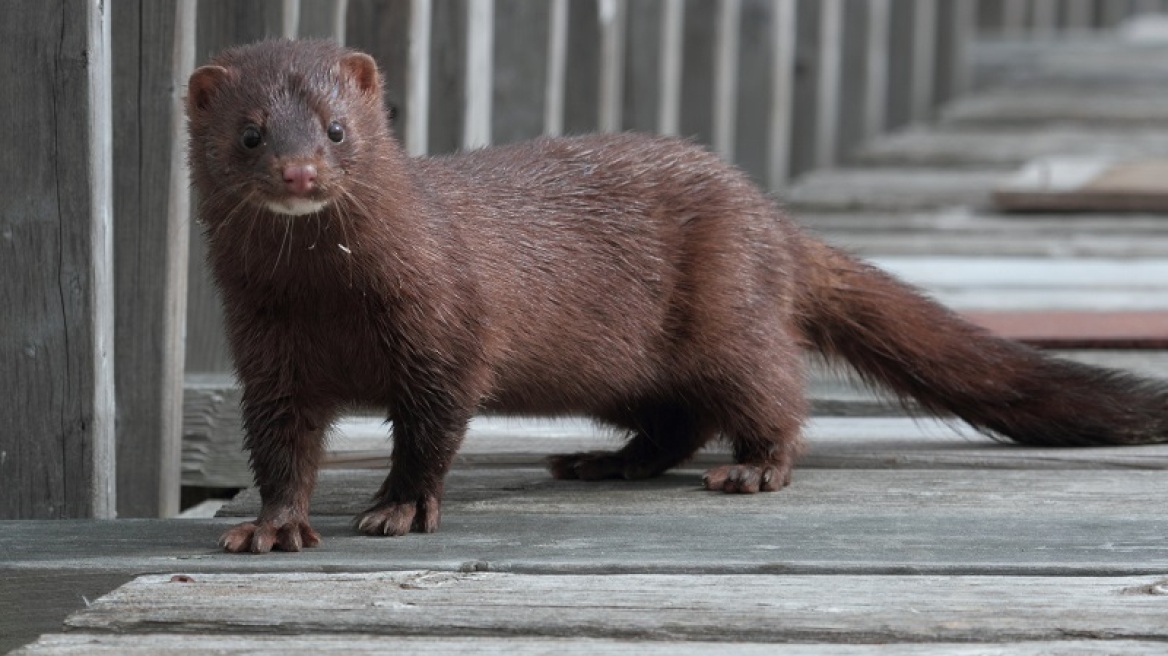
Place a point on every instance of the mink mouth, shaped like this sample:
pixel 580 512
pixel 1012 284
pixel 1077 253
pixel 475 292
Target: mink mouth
pixel 294 206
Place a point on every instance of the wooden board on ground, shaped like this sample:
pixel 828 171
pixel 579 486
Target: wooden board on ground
pixel 1087 184
pixel 790 608
pixel 955 149
pixel 966 233
pixel 175 644
pixel 1138 107
pixel 891 189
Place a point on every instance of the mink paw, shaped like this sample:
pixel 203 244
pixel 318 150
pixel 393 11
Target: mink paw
pixel 262 536
pixel 747 479
pixel 401 517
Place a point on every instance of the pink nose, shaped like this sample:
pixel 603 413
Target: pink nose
pixel 300 179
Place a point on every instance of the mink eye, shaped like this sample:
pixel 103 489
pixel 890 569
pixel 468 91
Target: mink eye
pixel 336 133
pixel 251 137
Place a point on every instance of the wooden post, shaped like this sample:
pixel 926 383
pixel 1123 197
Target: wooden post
pixel 553 110
pixel 924 58
pixel 782 102
pixel 480 69
pixel 669 66
pixel 725 109
pixel 609 95
pixel 831 32
pixel 153 53
pixel 56 262
pixel 877 60
pixel 417 135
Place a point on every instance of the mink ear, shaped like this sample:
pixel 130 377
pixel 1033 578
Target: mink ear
pixel 203 85
pixel 362 70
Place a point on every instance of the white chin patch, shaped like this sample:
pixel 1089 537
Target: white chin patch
pixel 296 206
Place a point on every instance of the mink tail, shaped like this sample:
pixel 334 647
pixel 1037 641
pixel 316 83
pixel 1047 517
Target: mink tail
pixel 899 340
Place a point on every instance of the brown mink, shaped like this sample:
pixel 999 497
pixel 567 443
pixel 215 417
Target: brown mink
pixel 635 279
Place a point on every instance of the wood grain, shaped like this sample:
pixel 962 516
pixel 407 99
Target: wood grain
pixel 153 54
pixel 176 644
pixel 750 608
pixel 56 262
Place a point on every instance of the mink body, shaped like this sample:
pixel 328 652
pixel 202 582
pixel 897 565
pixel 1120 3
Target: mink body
pixel 638 280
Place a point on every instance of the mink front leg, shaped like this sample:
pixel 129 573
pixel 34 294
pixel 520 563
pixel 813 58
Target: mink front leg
pixel 410 499
pixel 285 442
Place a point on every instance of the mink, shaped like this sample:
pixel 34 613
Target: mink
pixel 639 280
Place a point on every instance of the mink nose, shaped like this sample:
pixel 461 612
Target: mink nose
pixel 300 179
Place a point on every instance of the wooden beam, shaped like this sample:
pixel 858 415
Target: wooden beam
pixel 553 116
pixel 418 78
pixel 153 55
pixel 480 71
pixel 56 262
pixel 610 95
pixel 670 66
pixel 726 45
pixel 782 83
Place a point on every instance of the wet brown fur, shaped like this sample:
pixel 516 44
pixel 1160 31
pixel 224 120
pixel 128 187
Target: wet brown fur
pixel 639 280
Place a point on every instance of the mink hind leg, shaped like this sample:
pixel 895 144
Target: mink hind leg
pixel 663 435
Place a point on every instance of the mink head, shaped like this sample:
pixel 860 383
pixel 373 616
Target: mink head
pixel 284 125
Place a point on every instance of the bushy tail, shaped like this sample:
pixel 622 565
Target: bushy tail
pixel 899 340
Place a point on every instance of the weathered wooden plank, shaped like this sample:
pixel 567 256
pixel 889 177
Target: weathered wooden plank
pixel 993 147
pixel 1136 107
pixel 967 492
pixel 153 55
pixel 966 232
pixel 57 448
pixel 902 539
pixel 177 644
pixel 892 189
pixel 1092 65
pixel 643 606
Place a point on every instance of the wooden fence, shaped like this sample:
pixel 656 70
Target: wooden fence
pixel 106 301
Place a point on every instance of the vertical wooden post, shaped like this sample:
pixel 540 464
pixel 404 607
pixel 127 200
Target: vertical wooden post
pixel 783 23
pixel 924 58
pixel 876 80
pixel 831 32
pixel 480 68
pixel 612 65
pixel 725 108
pixel 290 28
pixel 553 116
pixel 56 262
pixel 153 53
pixel 417 134
pixel 669 66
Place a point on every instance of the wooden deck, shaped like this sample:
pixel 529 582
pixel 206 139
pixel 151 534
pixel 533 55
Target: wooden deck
pixel 896 537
